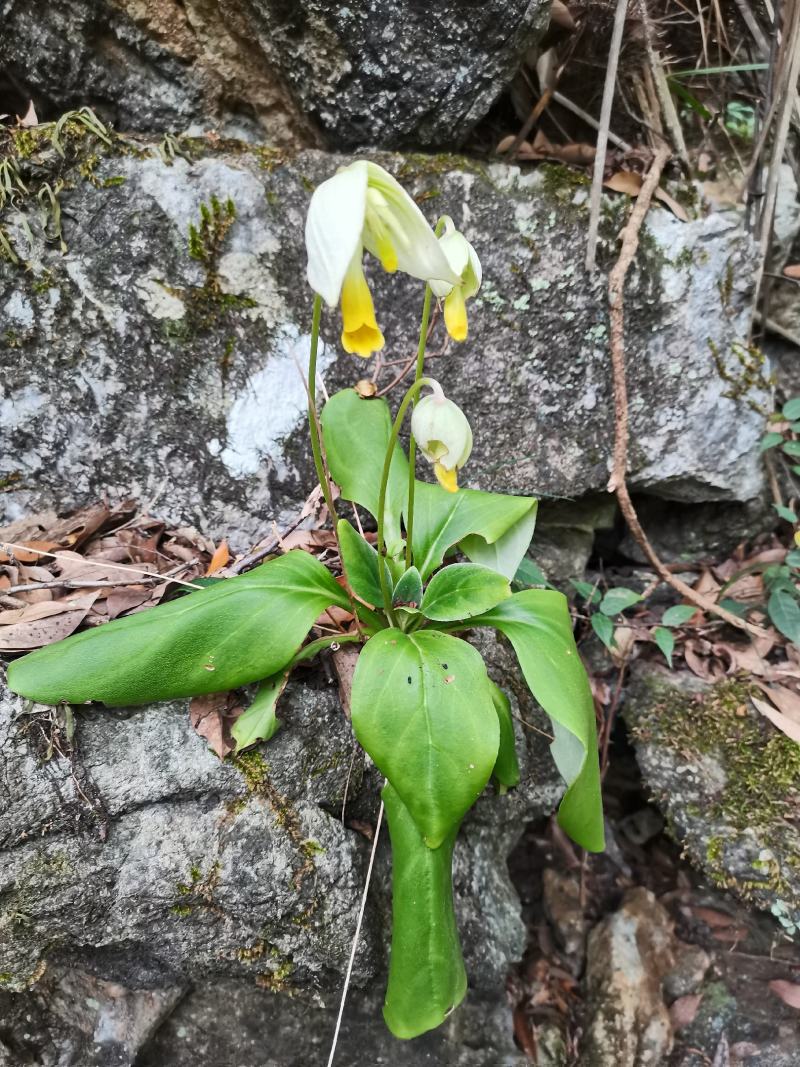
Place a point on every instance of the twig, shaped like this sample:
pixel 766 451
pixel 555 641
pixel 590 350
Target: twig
pixel 530 122
pixel 248 562
pixel 602 133
pixel 559 98
pixel 356 936
pixel 91 563
pixel 73 583
pixel 617 483
pixel 775 327
pixel 662 90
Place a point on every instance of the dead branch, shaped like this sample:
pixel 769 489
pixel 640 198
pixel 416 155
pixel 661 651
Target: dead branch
pixel 617 483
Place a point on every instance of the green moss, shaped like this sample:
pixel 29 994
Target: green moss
pixel 253 768
pixel 749 378
pixel 181 910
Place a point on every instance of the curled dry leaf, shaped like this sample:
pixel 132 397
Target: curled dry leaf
pixel 792 271
pixel 41 624
pixel 785 700
pixel 789 992
pixel 559 13
pixel 344 663
pixel 220 559
pixel 777 718
pixel 212 717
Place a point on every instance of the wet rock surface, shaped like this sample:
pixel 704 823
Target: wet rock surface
pixel 370 72
pixel 126 347
pixel 143 862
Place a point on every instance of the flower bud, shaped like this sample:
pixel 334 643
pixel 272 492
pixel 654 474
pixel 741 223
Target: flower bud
pixel 464 262
pixel 443 435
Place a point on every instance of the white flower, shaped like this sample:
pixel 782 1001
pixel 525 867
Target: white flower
pixel 464 262
pixel 364 207
pixel 443 434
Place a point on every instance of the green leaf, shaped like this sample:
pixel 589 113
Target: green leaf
pixel 617 600
pixel 360 562
pixel 793 558
pixel 795 427
pixel 506 768
pixel 688 98
pixel 463 590
pixel 785 513
pixel 356 434
pixel 735 607
pixel 537 623
pixel 531 575
pixel 427 978
pixel 590 593
pixel 665 639
pixel 235 632
pixel 604 628
pixel 792 448
pixel 678 614
pixel 769 440
pixel 259 722
pixel 490 528
pixel 784 612
pixel 422 708
pixel 791 409
pixel 408 591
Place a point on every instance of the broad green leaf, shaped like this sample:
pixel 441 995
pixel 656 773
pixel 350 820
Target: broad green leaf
pixel 490 528
pixel 506 768
pixel 427 978
pixel 770 440
pixel 735 607
pixel 678 614
pixel 259 722
pixel 463 590
pixel 785 513
pixel 784 611
pixel 590 593
pixel 531 575
pixel 235 632
pixel 792 448
pixel 422 708
pixel 360 562
pixel 537 623
pixel 793 558
pixel 795 427
pixel 356 434
pixel 796 469
pixel 604 628
pixel 791 409
pixel 665 639
pixel 617 600
pixel 408 591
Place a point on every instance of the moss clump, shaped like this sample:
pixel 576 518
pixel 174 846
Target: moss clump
pixel 751 376
pixel 253 768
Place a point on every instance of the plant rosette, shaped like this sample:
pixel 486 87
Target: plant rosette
pixel 422 705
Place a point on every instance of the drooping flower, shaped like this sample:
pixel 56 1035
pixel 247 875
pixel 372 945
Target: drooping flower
pixel 464 262
pixel 362 206
pixel 443 435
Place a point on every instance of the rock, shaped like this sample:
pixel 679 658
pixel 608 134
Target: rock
pixel 132 369
pixel 691 962
pixel 727 782
pixel 628 954
pixel 264 67
pixel 142 861
pixel 564 911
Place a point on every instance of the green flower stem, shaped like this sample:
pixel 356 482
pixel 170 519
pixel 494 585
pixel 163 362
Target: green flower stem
pixel 412 444
pixel 411 395
pixel 313 647
pixel 313 421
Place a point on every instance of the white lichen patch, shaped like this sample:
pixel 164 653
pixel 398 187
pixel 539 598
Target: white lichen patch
pixel 159 301
pixel 19 309
pixel 272 405
pixel 241 274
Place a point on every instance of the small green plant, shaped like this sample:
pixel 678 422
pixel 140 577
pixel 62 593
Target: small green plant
pixel 422 706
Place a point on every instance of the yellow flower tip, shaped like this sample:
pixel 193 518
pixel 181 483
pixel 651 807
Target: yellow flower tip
pixel 448 479
pixel 797 537
pixel 387 254
pixel 360 333
pixel 455 314
pixel 363 341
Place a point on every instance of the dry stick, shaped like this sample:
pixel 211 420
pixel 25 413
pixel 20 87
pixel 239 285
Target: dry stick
pixel 559 98
pixel 602 133
pixel 105 564
pixel 530 122
pixel 617 483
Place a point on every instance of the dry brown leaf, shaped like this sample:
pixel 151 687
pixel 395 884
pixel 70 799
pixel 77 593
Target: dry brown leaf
pixel 308 540
pixel 715 919
pixel 777 718
pixel 21 556
pixel 120 601
pixel 677 209
pixel 559 13
pixel 792 270
pixel 220 558
pixel 731 935
pixel 344 663
pixel 624 181
pixel 334 616
pixel 789 992
pixel 212 717
pixel 682 1011
pixel 42 624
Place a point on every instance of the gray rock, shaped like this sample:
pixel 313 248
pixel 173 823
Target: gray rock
pixel 727 782
pixel 370 72
pixel 628 954
pixel 144 864
pixel 130 370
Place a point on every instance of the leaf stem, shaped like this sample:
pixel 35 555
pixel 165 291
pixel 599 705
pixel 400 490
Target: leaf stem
pixel 313 647
pixel 411 395
pixel 412 444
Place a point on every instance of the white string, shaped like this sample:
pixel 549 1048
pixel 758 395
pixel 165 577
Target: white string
pixel 104 564
pixel 357 936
